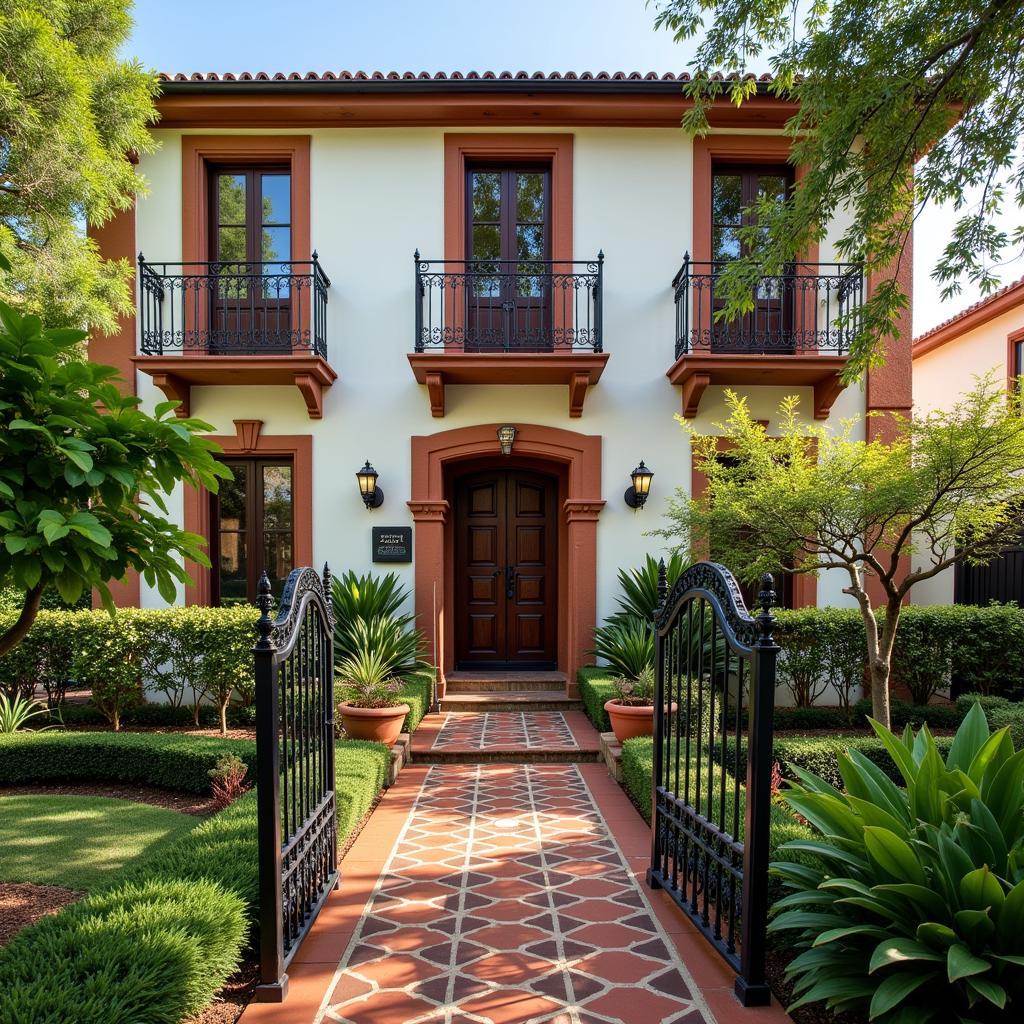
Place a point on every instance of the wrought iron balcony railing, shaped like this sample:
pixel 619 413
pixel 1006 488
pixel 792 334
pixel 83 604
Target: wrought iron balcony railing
pixel 810 309
pixel 232 309
pixel 508 306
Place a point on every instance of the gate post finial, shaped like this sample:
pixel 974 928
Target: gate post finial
pixel 265 602
pixel 766 598
pixel 662 582
pixel 327 581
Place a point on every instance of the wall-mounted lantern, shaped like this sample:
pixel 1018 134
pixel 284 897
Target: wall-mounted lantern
pixel 506 438
pixel 636 495
pixel 372 495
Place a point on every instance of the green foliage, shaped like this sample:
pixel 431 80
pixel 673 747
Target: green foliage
pixel 16 713
pixel 80 842
pixel 70 112
pixel 415 691
pixel 639 597
pixel 923 658
pixel 84 473
pixel 638 692
pixel 627 645
pixel 896 106
pixel 999 713
pixel 154 759
pixel 946 488
pixel 917 913
pixel 366 597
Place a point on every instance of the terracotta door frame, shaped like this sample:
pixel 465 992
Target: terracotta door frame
pixel 249 443
pixel 805 587
pixel 576 459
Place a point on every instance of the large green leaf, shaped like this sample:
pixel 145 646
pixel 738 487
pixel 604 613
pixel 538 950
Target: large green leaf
pixel 969 739
pixel 894 989
pixel 980 890
pixel 962 963
pixel 893 855
pixel 901 756
pixel 894 950
pixel 934 933
pixel 1011 919
pixel 989 990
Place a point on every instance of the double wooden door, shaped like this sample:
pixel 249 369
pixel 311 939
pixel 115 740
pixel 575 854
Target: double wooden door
pixel 506 576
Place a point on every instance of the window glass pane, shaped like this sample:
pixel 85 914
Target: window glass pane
pixel 277 497
pixel 530 196
pixel 277 245
pixel 277 198
pixel 726 198
pixel 231 498
pixel 772 186
pixel 486 187
pixel 530 241
pixel 278 559
pixel 234 568
pixel 486 242
pixel 231 245
pixel 230 198
pixel 724 243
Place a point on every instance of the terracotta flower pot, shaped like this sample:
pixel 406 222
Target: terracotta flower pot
pixel 629 721
pixel 382 725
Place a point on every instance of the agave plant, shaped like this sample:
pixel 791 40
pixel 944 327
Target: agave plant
pixel 393 643
pixel 639 598
pixel 17 711
pixel 366 597
pixel 916 914
pixel 627 646
pixel 367 675
pixel 374 602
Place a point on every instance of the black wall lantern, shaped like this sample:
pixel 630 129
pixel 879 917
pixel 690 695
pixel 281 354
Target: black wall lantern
pixel 373 496
pixel 506 438
pixel 636 496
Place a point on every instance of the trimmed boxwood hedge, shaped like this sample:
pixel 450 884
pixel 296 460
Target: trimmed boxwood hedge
pixel 596 686
pixel 158 945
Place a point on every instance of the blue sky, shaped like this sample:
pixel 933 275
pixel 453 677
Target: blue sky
pixel 449 35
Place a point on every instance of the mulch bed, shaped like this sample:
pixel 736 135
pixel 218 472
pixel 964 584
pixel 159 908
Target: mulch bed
pixel 240 733
pixel 782 990
pixel 171 800
pixel 22 904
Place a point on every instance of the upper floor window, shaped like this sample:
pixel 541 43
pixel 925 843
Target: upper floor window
pixel 1017 369
pixel 252 526
pixel 735 191
pixel 251 214
pixel 508 217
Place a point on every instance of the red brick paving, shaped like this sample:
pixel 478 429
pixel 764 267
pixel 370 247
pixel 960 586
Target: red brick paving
pixel 505 730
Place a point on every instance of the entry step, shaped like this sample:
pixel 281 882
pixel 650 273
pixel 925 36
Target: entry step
pixel 510 700
pixel 496 682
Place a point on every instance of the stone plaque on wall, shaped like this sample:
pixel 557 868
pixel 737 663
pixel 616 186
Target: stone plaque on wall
pixel 392 543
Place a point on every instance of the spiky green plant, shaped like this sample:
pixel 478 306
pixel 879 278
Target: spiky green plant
pixel 627 646
pixel 917 913
pixel 16 712
pixel 366 597
pixel 391 643
pixel 639 598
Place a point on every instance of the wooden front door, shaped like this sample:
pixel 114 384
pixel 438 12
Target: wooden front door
pixel 506 577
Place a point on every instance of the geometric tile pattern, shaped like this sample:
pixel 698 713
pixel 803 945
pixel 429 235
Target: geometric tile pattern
pixel 505 730
pixel 506 901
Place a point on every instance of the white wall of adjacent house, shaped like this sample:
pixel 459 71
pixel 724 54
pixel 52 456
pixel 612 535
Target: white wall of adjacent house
pixel 941 378
pixel 376 197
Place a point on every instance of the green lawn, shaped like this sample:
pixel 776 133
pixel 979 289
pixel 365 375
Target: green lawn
pixel 81 841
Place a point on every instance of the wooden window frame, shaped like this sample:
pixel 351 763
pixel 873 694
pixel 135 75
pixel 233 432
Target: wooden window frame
pixel 254 224
pixel 1015 361
pixel 255 520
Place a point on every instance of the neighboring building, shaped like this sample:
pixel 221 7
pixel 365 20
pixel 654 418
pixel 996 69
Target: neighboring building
pixel 987 337
pixel 568 236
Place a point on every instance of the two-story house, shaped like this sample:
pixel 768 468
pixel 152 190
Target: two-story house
pixel 493 291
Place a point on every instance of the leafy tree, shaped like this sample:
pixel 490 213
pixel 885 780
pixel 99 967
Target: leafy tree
pixel 878 84
pixel 948 488
pixel 71 113
pixel 83 475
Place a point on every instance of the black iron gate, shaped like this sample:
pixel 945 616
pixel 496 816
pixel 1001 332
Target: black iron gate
pixel 298 836
pixel 714 700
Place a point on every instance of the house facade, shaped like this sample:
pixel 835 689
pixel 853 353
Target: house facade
pixel 987 337
pixel 392 270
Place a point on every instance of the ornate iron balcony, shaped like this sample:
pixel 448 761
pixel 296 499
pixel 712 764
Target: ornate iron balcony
pixel 487 306
pixel 233 309
pixel 809 309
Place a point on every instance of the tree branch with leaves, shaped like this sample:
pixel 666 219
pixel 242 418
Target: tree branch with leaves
pixel 948 488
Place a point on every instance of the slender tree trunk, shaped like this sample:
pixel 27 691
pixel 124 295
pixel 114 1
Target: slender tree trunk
pixel 878 652
pixel 115 719
pixel 29 610
pixel 881 665
pixel 224 718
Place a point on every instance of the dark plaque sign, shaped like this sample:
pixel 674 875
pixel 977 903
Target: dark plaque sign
pixel 392 543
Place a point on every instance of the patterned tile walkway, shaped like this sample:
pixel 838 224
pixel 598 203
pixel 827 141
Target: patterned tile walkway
pixel 507 901
pixel 505 730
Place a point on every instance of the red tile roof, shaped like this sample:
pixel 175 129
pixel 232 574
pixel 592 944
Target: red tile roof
pixel 441 76
pixel 999 302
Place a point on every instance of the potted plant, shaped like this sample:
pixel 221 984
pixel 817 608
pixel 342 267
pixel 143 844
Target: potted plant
pixel 631 710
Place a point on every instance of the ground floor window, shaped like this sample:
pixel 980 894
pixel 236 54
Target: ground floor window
pixel 252 525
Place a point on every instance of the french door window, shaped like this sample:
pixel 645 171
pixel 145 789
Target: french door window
pixel 252 520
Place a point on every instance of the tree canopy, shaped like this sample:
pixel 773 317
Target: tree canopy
pixel 71 115
pixel 880 87
pixel 84 473
pixel 949 487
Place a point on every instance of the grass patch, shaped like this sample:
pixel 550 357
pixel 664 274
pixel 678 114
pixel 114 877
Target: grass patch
pixel 596 687
pixel 80 841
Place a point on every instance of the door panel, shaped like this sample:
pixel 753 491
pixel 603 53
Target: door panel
pixel 505 570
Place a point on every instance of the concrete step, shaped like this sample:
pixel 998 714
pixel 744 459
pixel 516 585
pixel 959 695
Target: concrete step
pixel 510 700
pixel 506 757
pixel 503 682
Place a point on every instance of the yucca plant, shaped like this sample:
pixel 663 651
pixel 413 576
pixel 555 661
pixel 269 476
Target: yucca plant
pixel 366 597
pixel 627 646
pixel 639 598
pixel 392 643
pixel 16 712
pixel 916 915
pixel 373 601
pixel 367 674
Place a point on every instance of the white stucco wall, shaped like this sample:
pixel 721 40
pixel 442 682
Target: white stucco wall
pixel 376 197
